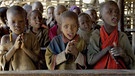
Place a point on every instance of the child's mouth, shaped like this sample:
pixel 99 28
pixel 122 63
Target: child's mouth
pixel 115 20
pixel 70 35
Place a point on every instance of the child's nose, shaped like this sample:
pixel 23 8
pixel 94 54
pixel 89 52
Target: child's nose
pixel 17 24
pixel 37 19
pixel 70 29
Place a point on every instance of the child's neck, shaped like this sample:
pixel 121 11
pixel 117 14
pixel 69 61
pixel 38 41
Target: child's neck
pixel 109 29
pixel 35 30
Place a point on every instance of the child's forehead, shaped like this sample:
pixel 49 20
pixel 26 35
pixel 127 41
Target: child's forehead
pixel 60 8
pixel 15 14
pixel 109 5
pixel 83 16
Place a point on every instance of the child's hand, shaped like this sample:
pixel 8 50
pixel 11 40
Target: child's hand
pixel 17 43
pixel 71 48
pixel 117 51
pixel 22 41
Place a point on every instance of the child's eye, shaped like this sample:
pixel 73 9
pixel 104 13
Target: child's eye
pixel 13 22
pixel 66 26
pixel 74 25
pixel 82 23
pixel 110 11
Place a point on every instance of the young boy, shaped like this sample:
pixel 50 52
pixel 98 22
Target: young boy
pixel 65 51
pixel 110 48
pixel 50 20
pixel 28 9
pixel 19 50
pixel 85 28
pixel 93 14
pixel 55 30
pixel 38 6
pixel 35 20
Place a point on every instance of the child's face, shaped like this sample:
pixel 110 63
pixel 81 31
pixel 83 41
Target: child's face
pixel 85 23
pixel 110 14
pixel 69 27
pixel 57 14
pixel 50 13
pixel 16 22
pixel 35 20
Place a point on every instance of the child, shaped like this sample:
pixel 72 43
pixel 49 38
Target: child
pixel 19 50
pixel 75 9
pixel 28 9
pixel 65 50
pixel 38 6
pixel 4 29
pixel 85 24
pixel 93 14
pixel 55 30
pixel 108 47
pixel 50 13
pixel 35 20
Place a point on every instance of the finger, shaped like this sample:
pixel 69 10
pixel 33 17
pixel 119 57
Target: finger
pixel 18 37
pixel 114 44
pixel 73 42
pixel 114 53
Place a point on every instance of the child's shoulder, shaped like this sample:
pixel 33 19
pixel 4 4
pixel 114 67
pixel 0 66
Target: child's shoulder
pixel 29 36
pixel 95 33
pixel 122 35
pixel 5 39
pixel 57 38
pixel 44 30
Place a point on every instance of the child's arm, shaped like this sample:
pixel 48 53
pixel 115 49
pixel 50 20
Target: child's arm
pixel 50 59
pixel 16 46
pixel 99 55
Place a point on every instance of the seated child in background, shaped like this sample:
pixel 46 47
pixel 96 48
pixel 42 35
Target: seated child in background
pixel 85 26
pixel 55 30
pixel 4 29
pixel 66 50
pixel 108 47
pixel 38 6
pixel 93 14
pixel 35 20
pixel 50 20
pixel 19 50
pixel 75 9
pixel 28 9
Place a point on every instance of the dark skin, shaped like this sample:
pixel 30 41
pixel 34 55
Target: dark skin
pixel 110 16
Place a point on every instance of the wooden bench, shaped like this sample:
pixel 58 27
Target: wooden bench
pixel 69 73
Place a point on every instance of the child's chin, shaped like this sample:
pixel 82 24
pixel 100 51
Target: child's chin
pixel 114 25
pixel 69 38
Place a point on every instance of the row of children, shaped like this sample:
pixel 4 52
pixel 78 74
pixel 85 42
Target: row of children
pixel 68 42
